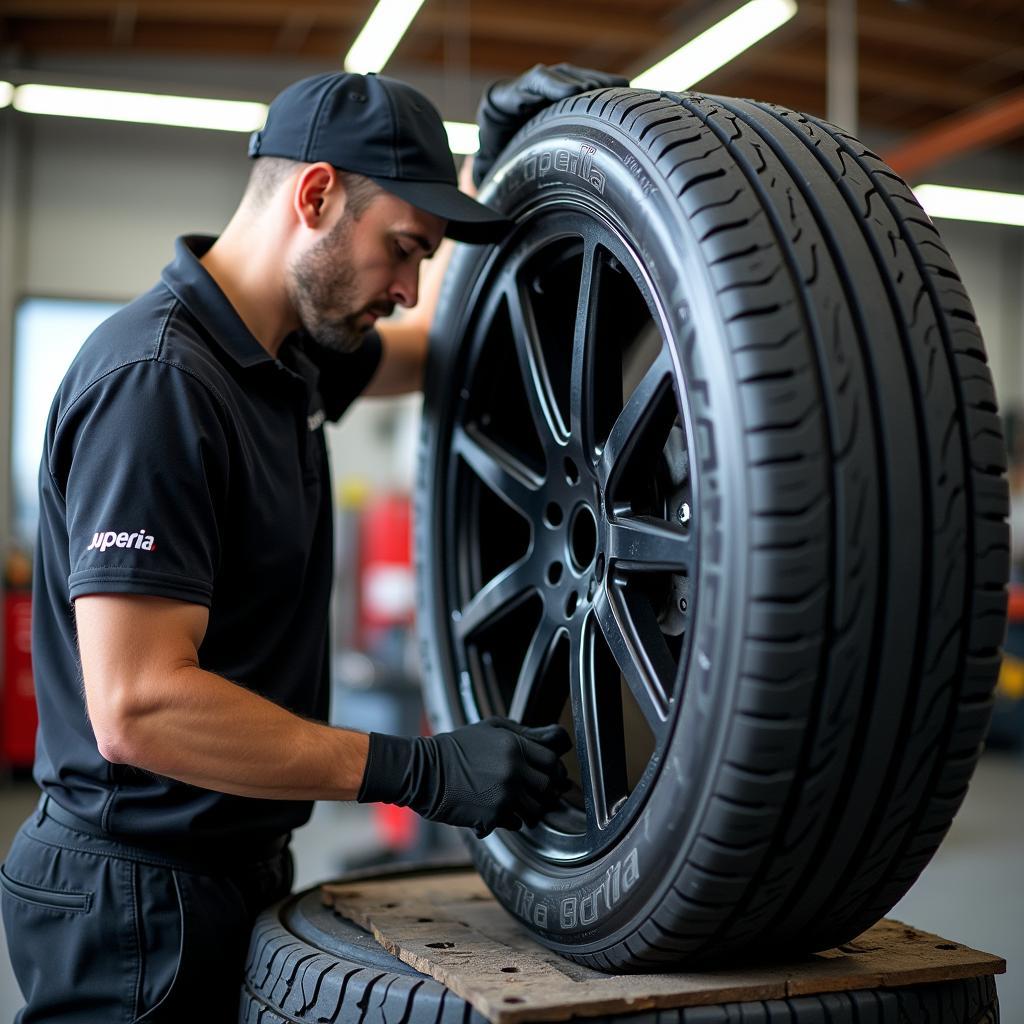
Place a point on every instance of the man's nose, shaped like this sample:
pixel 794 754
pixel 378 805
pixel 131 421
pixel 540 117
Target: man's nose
pixel 405 288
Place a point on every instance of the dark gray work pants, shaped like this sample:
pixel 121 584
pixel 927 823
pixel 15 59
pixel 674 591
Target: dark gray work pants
pixel 105 933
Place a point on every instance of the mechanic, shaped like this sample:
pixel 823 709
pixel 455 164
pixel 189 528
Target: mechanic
pixel 180 618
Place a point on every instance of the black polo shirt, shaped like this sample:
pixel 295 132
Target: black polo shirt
pixel 182 460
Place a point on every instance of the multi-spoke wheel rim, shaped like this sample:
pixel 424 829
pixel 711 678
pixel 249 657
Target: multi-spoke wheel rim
pixel 572 524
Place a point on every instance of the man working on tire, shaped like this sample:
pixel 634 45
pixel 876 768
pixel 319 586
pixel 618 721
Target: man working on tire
pixel 184 561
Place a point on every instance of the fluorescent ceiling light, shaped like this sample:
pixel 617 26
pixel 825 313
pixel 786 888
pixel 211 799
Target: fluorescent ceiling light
pixel 462 137
pixel 381 34
pixel 182 111
pixel 717 46
pixel 140 107
pixel 971 204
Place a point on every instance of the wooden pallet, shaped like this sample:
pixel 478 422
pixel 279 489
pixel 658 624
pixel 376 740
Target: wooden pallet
pixel 448 925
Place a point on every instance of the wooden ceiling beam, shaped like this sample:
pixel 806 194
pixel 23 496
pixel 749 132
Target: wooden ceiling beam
pixel 259 40
pixel 548 23
pixel 810 65
pixel 533 23
pixel 122 28
pixel 294 32
pixel 488 57
pixel 875 113
pixel 903 27
pixel 997 121
pixel 795 96
pixel 637 10
pixel 242 12
pixel 231 40
pixel 983 8
pixel 885 22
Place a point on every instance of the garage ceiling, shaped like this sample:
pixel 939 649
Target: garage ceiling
pixel 920 60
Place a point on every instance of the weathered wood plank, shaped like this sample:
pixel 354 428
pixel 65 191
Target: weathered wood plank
pixel 449 926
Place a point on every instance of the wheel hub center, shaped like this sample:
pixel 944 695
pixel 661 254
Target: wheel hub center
pixel 583 537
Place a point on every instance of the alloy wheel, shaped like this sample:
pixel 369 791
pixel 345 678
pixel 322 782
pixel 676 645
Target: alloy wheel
pixel 573 528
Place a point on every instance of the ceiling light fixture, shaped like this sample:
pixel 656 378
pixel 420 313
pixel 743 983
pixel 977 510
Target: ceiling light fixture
pixel 717 45
pixel 140 107
pixel 380 35
pixel 180 111
pixel 463 138
pixel 971 204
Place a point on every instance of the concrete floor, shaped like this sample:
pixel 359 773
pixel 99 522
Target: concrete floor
pixel 972 892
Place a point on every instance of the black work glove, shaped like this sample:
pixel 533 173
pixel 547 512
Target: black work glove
pixel 508 104
pixel 492 774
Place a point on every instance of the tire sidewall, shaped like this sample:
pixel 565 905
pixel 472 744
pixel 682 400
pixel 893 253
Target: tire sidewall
pixel 581 159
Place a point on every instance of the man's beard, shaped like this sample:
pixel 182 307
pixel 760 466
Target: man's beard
pixel 321 283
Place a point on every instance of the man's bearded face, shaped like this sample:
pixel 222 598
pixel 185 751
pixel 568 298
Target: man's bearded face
pixel 323 289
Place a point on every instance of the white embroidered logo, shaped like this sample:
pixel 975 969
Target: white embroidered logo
pixel 109 539
pixel 316 419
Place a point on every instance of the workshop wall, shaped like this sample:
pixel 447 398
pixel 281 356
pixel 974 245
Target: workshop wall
pixel 990 259
pixel 99 206
pixel 104 202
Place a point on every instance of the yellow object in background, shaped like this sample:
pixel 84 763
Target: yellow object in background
pixel 352 492
pixel 1011 678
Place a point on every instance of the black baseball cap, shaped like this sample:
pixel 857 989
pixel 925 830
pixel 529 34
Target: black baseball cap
pixel 383 129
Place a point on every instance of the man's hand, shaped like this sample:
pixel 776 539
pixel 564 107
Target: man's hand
pixel 492 774
pixel 507 105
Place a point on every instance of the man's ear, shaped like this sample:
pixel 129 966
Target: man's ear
pixel 317 188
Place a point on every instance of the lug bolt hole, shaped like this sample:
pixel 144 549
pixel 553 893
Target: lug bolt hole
pixel 553 514
pixel 572 474
pixel 571 604
pixel 554 573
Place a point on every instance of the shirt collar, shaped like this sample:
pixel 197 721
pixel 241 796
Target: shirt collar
pixel 193 286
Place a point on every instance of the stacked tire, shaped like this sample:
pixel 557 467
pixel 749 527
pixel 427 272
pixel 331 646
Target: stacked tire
pixel 308 964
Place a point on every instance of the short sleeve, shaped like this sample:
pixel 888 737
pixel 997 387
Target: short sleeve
pixel 344 375
pixel 141 458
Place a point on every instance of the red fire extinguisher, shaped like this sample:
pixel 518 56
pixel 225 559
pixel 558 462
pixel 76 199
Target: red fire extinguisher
pixel 19 698
pixel 386 610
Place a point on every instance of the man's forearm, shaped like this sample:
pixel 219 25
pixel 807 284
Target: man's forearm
pixel 203 729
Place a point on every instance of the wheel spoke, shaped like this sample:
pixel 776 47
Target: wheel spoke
pixel 588 754
pixel 581 380
pixel 600 733
pixel 636 415
pixel 648 544
pixel 532 702
pixel 543 408
pixel 644 661
pixel 496 597
pixel 499 469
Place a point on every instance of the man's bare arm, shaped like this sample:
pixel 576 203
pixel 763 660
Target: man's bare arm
pixel 152 706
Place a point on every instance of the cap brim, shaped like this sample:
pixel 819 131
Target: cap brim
pixel 468 220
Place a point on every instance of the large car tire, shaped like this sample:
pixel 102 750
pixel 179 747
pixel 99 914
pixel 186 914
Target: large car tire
pixel 757 565
pixel 307 964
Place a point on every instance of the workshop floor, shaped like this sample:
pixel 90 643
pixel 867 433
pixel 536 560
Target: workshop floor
pixel 973 891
